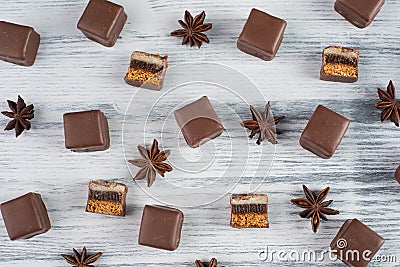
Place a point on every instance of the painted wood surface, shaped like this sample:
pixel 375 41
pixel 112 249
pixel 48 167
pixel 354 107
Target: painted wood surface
pixel 72 74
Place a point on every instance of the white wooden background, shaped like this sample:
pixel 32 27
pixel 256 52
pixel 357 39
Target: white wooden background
pixel 72 73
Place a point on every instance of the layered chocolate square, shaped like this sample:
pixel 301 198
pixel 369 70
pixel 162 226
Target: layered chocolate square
pixel 198 122
pixel 25 216
pixel 262 35
pixel 360 13
pixel 324 132
pixel 161 227
pixel 102 22
pixel 86 131
pixel 249 211
pixel 18 44
pixel 356 244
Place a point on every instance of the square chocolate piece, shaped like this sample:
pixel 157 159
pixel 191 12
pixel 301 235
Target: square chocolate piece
pixel 356 244
pixel 18 44
pixel 161 227
pixel 86 131
pixel 262 35
pixel 324 132
pixel 198 122
pixel 147 70
pixel 107 198
pixel 25 216
pixel 360 13
pixel 102 22
pixel 340 64
pixel 249 211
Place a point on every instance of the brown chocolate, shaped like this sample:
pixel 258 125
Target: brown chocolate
pixel 262 35
pixel 397 175
pixel 102 22
pixel 107 198
pixel 324 132
pixel 161 227
pixel 18 44
pixel 147 70
pixel 198 122
pixel 86 131
pixel 249 211
pixel 360 13
pixel 25 216
pixel 356 244
pixel 340 64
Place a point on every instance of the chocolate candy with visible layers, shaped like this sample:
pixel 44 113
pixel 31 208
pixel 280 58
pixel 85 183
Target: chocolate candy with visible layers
pixel 360 13
pixel 161 227
pixel 18 44
pixel 86 131
pixel 102 22
pixel 249 211
pixel 356 244
pixel 262 35
pixel 324 132
pixel 25 216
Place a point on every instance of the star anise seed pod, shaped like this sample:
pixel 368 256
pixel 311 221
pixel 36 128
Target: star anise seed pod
pixel 193 29
pixel 20 115
pixel 388 104
pixel 151 162
pixel 314 207
pixel 82 259
pixel 213 263
pixel 263 124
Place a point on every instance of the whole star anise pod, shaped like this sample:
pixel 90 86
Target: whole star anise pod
pixel 314 206
pixel 151 162
pixel 20 115
pixel 388 104
pixel 213 263
pixel 82 259
pixel 263 124
pixel 192 29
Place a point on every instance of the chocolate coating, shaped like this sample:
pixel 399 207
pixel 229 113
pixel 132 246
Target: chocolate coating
pixel 262 35
pixel 354 236
pixel 161 227
pixel 360 13
pixel 25 216
pixel 324 132
pixel 86 131
pixel 18 44
pixel 102 22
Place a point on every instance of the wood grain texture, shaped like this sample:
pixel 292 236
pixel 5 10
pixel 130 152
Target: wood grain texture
pixel 72 73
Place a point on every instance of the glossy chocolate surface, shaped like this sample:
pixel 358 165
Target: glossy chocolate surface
pixel 324 132
pixel 102 22
pixel 161 227
pixel 262 35
pixel 18 44
pixel 359 12
pixel 86 131
pixel 25 216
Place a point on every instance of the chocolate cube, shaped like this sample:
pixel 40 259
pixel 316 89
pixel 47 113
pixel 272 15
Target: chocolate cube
pixel 249 211
pixel 25 216
pixel 161 227
pixel 86 131
pixel 356 244
pixel 102 22
pixel 198 122
pixel 360 13
pixel 262 35
pixel 18 44
pixel 107 198
pixel 147 70
pixel 340 64
pixel 324 132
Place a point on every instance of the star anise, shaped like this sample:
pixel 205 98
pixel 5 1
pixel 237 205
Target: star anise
pixel 314 206
pixel 20 115
pixel 192 29
pixel 263 124
pixel 213 263
pixel 388 104
pixel 82 259
pixel 151 162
